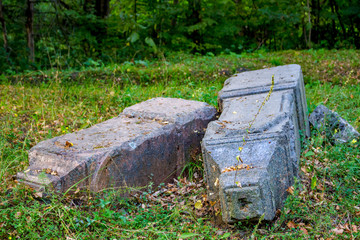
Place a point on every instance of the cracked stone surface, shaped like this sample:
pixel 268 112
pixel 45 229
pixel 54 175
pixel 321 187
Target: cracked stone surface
pixel 148 142
pixel 270 148
pixel 287 77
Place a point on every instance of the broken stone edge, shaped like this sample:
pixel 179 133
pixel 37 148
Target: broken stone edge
pixel 83 173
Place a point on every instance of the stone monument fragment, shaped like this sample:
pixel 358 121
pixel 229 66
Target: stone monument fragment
pixel 334 126
pixel 148 142
pixel 270 149
pixel 259 81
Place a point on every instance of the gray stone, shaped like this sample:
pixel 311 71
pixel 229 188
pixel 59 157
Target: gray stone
pixel 335 127
pixel 148 142
pixel 270 148
pixel 263 187
pixel 259 81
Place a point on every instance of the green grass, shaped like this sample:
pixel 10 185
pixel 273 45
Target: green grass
pixel 40 105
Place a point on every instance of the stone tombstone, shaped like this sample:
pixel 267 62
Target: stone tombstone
pixel 148 142
pixel 270 148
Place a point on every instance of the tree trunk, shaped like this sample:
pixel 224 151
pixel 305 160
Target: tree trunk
pixel 135 10
pixel 102 8
pixel 194 18
pixel 3 25
pixel 29 29
pixel 309 21
pixel 174 19
pixel 340 20
pixel 334 31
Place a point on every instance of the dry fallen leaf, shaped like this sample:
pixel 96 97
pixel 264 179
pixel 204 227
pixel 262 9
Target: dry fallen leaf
pixel 198 204
pixel 304 230
pixel 338 230
pixel 216 182
pixel 68 144
pixel 290 190
pixel 237 167
pixel 18 214
pixel 38 194
pixel 212 203
pixel 291 224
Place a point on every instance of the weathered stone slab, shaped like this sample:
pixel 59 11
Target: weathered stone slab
pixel 259 81
pixel 337 128
pixel 270 148
pixel 148 142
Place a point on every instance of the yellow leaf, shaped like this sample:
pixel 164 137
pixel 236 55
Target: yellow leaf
pixel 68 144
pixel 240 149
pixel 238 158
pixel 198 204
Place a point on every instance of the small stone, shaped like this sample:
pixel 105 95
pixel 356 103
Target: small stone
pixel 337 129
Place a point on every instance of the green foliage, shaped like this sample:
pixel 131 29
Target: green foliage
pixel 68 33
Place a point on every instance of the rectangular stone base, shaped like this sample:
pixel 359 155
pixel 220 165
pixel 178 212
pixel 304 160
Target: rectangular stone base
pixel 269 142
pixel 148 142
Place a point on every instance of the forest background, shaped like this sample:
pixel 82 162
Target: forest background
pixel 43 34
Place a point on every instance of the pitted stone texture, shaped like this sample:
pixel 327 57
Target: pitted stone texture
pixel 259 81
pixel 148 142
pixel 272 144
pixel 278 116
pixel 337 128
pixel 271 174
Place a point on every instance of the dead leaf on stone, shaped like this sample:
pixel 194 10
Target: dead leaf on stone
pixel 68 144
pixel 237 167
pixel 216 182
pixel 50 171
